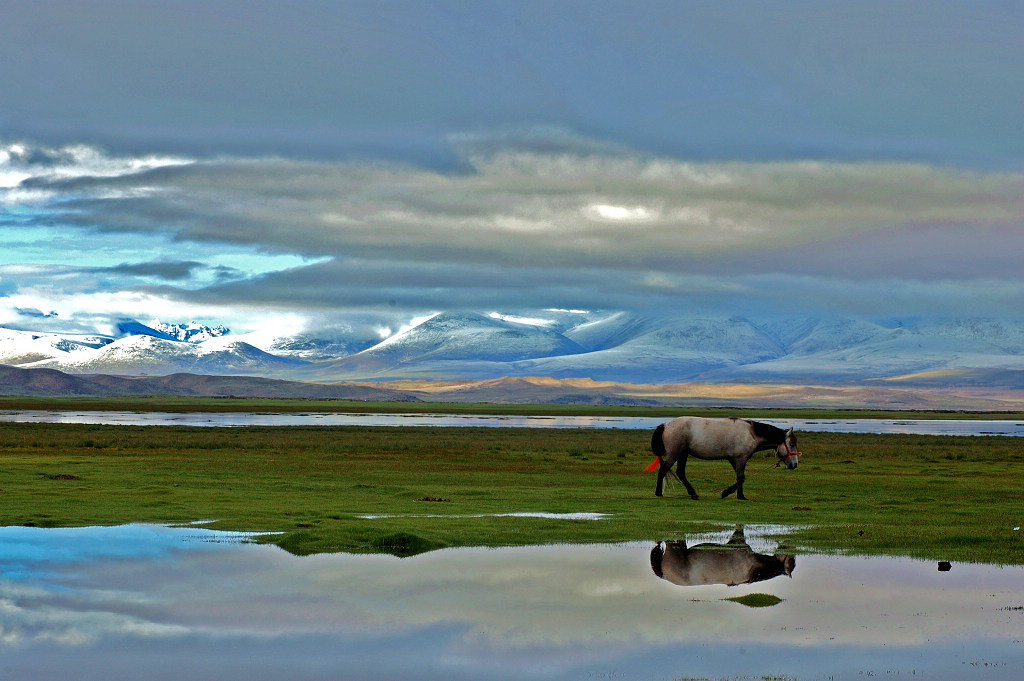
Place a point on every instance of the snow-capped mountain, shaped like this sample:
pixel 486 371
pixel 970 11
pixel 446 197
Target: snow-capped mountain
pixel 991 335
pixel 145 350
pixel 463 338
pixel 642 349
pixel 850 350
pixel 808 336
pixel 610 331
pixel 130 327
pixel 147 355
pixel 661 351
pixel 312 348
pixel 22 347
pixel 191 332
pixel 614 346
pixel 187 333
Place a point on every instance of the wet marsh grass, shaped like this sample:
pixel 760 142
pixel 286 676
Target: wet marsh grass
pixel 937 497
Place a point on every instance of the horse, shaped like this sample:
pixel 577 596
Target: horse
pixel 731 563
pixel 732 439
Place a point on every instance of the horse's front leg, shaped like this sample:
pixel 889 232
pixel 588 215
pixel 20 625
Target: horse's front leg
pixel 740 467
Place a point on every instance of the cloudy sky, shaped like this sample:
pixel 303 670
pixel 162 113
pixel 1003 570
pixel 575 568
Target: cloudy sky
pixel 308 166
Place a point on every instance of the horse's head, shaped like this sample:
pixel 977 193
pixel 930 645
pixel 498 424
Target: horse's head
pixel 786 451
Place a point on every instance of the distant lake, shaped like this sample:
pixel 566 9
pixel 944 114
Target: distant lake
pixel 158 603
pixel 241 419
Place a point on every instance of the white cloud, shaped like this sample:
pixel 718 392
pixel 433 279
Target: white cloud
pixel 79 160
pixel 580 226
pixel 335 209
pixel 603 211
pixel 47 166
pixel 102 310
pixel 385 332
pixel 259 327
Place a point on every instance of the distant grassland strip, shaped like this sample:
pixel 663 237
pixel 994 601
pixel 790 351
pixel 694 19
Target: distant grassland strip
pixel 937 497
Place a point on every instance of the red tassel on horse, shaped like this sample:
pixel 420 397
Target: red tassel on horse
pixel 654 466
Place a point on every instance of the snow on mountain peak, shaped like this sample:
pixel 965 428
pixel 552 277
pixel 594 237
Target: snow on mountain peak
pixel 472 336
pixel 21 347
pixel 192 332
pixel 386 334
pixel 529 321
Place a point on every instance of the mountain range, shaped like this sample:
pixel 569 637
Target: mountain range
pixel 53 383
pixel 613 347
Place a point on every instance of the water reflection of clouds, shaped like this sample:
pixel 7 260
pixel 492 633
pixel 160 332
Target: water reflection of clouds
pixel 74 544
pixel 552 611
pixel 239 419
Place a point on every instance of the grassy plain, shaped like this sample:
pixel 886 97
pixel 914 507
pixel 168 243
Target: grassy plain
pixel 943 498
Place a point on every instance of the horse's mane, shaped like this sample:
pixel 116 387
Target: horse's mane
pixel 767 432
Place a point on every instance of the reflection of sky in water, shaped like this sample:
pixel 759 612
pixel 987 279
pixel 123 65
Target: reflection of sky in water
pixel 155 603
pixel 224 419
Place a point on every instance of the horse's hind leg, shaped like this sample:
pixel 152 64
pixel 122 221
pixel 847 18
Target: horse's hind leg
pixel 666 469
pixel 666 466
pixel 681 468
pixel 658 447
pixel 662 469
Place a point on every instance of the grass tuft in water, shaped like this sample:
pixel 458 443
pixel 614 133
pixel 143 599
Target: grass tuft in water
pixel 404 544
pixel 756 600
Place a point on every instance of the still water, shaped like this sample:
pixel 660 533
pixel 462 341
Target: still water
pixel 238 419
pixel 153 602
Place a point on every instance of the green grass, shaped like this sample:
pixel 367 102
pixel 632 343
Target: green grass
pixel 943 498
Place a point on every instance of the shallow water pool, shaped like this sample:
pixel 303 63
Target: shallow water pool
pixel 153 602
pixel 241 419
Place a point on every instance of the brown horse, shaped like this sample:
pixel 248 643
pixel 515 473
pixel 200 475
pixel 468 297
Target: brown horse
pixel 732 439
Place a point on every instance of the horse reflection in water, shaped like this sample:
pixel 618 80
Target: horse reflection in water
pixel 731 563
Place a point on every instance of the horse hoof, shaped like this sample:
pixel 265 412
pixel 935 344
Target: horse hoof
pixel 695 497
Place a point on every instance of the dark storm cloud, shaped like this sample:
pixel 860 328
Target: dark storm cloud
pixel 317 158
pixel 912 80
pixel 174 271
pixel 566 212
pixel 379 285
pixel 34 312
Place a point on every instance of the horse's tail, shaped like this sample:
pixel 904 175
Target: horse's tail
pixel 658 447
pixel 656 555
pixel 657 441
